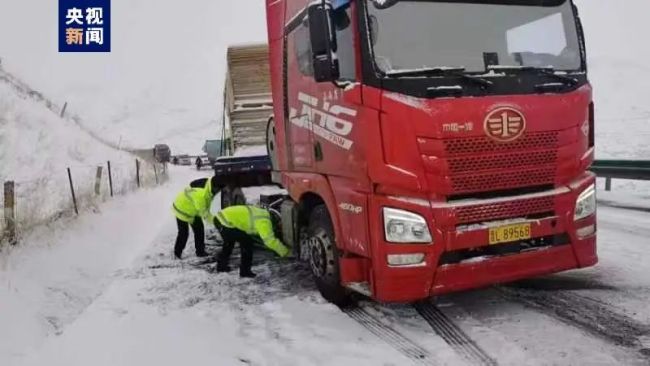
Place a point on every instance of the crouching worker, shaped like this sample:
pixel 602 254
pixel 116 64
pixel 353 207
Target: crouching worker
pixel 191 208
pixel 242 224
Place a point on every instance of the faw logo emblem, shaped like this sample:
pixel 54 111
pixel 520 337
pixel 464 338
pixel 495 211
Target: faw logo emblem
pixel 325 121
pixel 505 124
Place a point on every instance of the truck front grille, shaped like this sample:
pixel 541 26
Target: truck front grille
pixel 478 165
pixel 502 161
pixel 494 181
pixel 504 210
pixel 477 145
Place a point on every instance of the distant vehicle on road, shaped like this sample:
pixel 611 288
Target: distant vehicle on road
pixel 202 161
pixel 214 149
pixel 183 159
pixel 162 153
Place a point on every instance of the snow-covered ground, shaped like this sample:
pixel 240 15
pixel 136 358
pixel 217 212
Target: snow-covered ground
pixel 104 290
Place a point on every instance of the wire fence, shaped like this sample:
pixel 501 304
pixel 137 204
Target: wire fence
pixel 76 189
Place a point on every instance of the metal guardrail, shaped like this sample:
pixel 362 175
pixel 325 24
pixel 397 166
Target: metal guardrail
pixel 621 169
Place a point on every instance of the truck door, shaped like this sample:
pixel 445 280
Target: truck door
pixel 336 138
pixel 298 78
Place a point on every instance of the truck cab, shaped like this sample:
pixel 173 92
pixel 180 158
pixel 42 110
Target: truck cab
pixel 432 146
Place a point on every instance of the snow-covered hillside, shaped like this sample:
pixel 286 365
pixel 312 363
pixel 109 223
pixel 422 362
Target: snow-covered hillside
pixel 162 82
pixel 37 147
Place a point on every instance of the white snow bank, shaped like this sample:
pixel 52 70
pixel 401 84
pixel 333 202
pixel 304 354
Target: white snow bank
pixel 37 147
pixel 58 270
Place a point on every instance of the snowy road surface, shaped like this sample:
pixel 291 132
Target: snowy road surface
pixel 103 290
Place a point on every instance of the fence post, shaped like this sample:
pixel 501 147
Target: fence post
pixel 10 212
pixel 65 106
pixel 608 184
pixel 137 171
pixel 98 181
pixel 74 198
pixel 155 172
pixel 110 178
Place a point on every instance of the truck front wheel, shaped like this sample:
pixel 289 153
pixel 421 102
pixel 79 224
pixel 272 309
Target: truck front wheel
pixel 323 257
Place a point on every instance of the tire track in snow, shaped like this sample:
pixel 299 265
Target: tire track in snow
pixel 392 337
pixel 453 335
pixel 587 314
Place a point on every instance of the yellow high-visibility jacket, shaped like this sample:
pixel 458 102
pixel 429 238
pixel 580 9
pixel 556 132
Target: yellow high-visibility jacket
pixel 253 221
pixel 194 202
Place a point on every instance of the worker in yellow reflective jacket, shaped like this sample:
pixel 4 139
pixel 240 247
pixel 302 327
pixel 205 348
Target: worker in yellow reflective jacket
pixel 242 224
pixel 191 208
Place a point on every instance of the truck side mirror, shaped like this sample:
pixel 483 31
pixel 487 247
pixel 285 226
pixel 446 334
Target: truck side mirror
pixel 323 42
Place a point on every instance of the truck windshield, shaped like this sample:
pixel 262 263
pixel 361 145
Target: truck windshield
pixel 419 35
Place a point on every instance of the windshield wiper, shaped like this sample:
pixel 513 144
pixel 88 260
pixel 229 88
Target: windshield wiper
pixel 442 71
pixel 549 71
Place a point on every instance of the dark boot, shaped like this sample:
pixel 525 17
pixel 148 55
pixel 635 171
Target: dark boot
pixel 201 254
pixel 178 253
pixel 223 267
pixel 247 274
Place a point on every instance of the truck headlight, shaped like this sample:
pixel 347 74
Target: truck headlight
pixel 405 227
pixel 586 203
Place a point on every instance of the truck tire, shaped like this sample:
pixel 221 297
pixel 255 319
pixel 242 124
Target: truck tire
pixel 232 196
pixel 271 144
pixel 323 257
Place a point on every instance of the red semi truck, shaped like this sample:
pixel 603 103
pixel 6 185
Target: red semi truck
pixel 430 146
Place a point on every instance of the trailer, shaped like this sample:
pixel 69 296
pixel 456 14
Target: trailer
pixel 248 103
pixel 422 153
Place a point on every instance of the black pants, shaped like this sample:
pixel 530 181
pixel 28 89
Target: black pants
pixel 230 237
pixel 183 233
